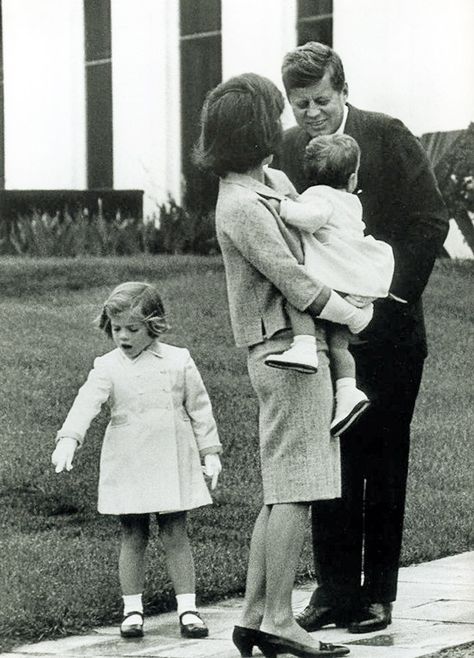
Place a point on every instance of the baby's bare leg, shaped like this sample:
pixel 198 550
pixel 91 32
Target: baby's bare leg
pixel 350 402
pixel 342 361
pixel 302 324
pixel 302 356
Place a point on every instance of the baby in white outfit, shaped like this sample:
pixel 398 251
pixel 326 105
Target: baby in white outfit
pixel 338 253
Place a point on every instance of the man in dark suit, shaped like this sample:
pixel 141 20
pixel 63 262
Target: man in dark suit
pixel 362 531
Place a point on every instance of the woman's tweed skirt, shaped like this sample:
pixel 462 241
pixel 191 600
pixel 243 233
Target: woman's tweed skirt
pixel 299 459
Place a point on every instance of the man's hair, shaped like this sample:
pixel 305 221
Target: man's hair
pixel 240 124
pixel 141 300
pixel 306 65
pixel 331 159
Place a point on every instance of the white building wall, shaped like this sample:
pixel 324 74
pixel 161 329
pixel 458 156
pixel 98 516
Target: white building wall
pixel 43 46
pixel 255 37
pixel 409 58
pixel 146 114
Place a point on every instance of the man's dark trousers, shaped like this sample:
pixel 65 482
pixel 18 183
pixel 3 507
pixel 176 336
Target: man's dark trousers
pixel 374 460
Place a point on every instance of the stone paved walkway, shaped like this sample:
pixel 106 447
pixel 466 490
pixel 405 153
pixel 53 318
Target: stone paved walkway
pixel 434 611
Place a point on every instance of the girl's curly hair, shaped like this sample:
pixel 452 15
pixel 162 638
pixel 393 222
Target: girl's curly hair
pixel 143 302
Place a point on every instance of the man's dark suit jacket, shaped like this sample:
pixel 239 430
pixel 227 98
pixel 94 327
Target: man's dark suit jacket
pixel 402 205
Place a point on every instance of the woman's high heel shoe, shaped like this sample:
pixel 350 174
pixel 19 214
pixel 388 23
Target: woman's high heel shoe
pixel 245 639
pixel 285 645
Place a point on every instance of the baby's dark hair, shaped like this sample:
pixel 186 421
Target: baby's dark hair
pixel 331 159
pixel 143 302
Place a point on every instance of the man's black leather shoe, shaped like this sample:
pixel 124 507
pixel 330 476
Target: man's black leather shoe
pixel 312 618
pixel 374 617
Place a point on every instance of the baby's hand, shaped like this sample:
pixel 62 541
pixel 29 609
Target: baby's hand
pixel 275 204
pixel 212 467
pixel 63 454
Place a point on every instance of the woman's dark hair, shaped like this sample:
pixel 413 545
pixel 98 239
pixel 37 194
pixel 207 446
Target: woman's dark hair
pixel 306 65
pixel 240 124
pixel 331 159
pixel 143 302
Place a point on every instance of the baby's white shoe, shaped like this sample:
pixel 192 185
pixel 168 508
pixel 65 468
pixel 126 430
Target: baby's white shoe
pixel 350 404
pixel 301 356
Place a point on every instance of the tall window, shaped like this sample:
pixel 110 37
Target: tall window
pixel 201 70
pixel 314 21
pixel 2 116
pixel 98 56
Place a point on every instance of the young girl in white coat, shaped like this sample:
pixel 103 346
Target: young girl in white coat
pixel 161 426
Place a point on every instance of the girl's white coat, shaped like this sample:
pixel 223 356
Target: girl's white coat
pixel 161 424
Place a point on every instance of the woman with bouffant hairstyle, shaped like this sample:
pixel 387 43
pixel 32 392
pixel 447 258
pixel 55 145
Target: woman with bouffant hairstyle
pixel 244 113
pixel 240 130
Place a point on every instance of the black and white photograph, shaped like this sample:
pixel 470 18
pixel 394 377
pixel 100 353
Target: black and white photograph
pixel 237 311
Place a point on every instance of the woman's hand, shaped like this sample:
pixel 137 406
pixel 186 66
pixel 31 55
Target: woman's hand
pixel 63 454
pixel 212 467
pixel 338 310
pixel 361 319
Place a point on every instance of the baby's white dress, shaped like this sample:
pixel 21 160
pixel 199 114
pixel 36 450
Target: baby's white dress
pixel 336 250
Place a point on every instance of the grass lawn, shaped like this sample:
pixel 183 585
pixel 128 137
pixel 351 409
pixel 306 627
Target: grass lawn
pixel 58 570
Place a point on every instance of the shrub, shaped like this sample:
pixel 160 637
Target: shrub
pixel 174 230
pixel 455 174
pixel 184 231
pixel 79 235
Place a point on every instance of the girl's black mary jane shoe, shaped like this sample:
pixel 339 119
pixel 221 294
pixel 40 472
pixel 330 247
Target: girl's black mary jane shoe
pixel 131 630
pixel 193 630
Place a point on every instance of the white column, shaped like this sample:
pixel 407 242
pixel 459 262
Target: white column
pixel 409 58
pixel 43 52
pixel 145 82
pixel 255 37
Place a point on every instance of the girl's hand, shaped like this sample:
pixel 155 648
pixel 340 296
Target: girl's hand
pixel 212 467
pixel 63 454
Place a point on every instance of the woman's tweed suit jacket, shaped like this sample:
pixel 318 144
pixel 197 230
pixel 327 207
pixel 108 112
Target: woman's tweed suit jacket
pixel 261 267
pixel 161 424
pixel 299 459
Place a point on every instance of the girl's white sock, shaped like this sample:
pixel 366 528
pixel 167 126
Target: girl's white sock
pixel 132 603
pixel 187 603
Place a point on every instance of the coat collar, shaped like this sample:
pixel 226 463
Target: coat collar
pixel 155 348
pixel 264 189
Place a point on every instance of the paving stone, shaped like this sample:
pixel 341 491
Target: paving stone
pixel 433 591
pixel 453 569
pixel 443 610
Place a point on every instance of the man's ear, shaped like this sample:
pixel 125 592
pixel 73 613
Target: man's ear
pixel 352 182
